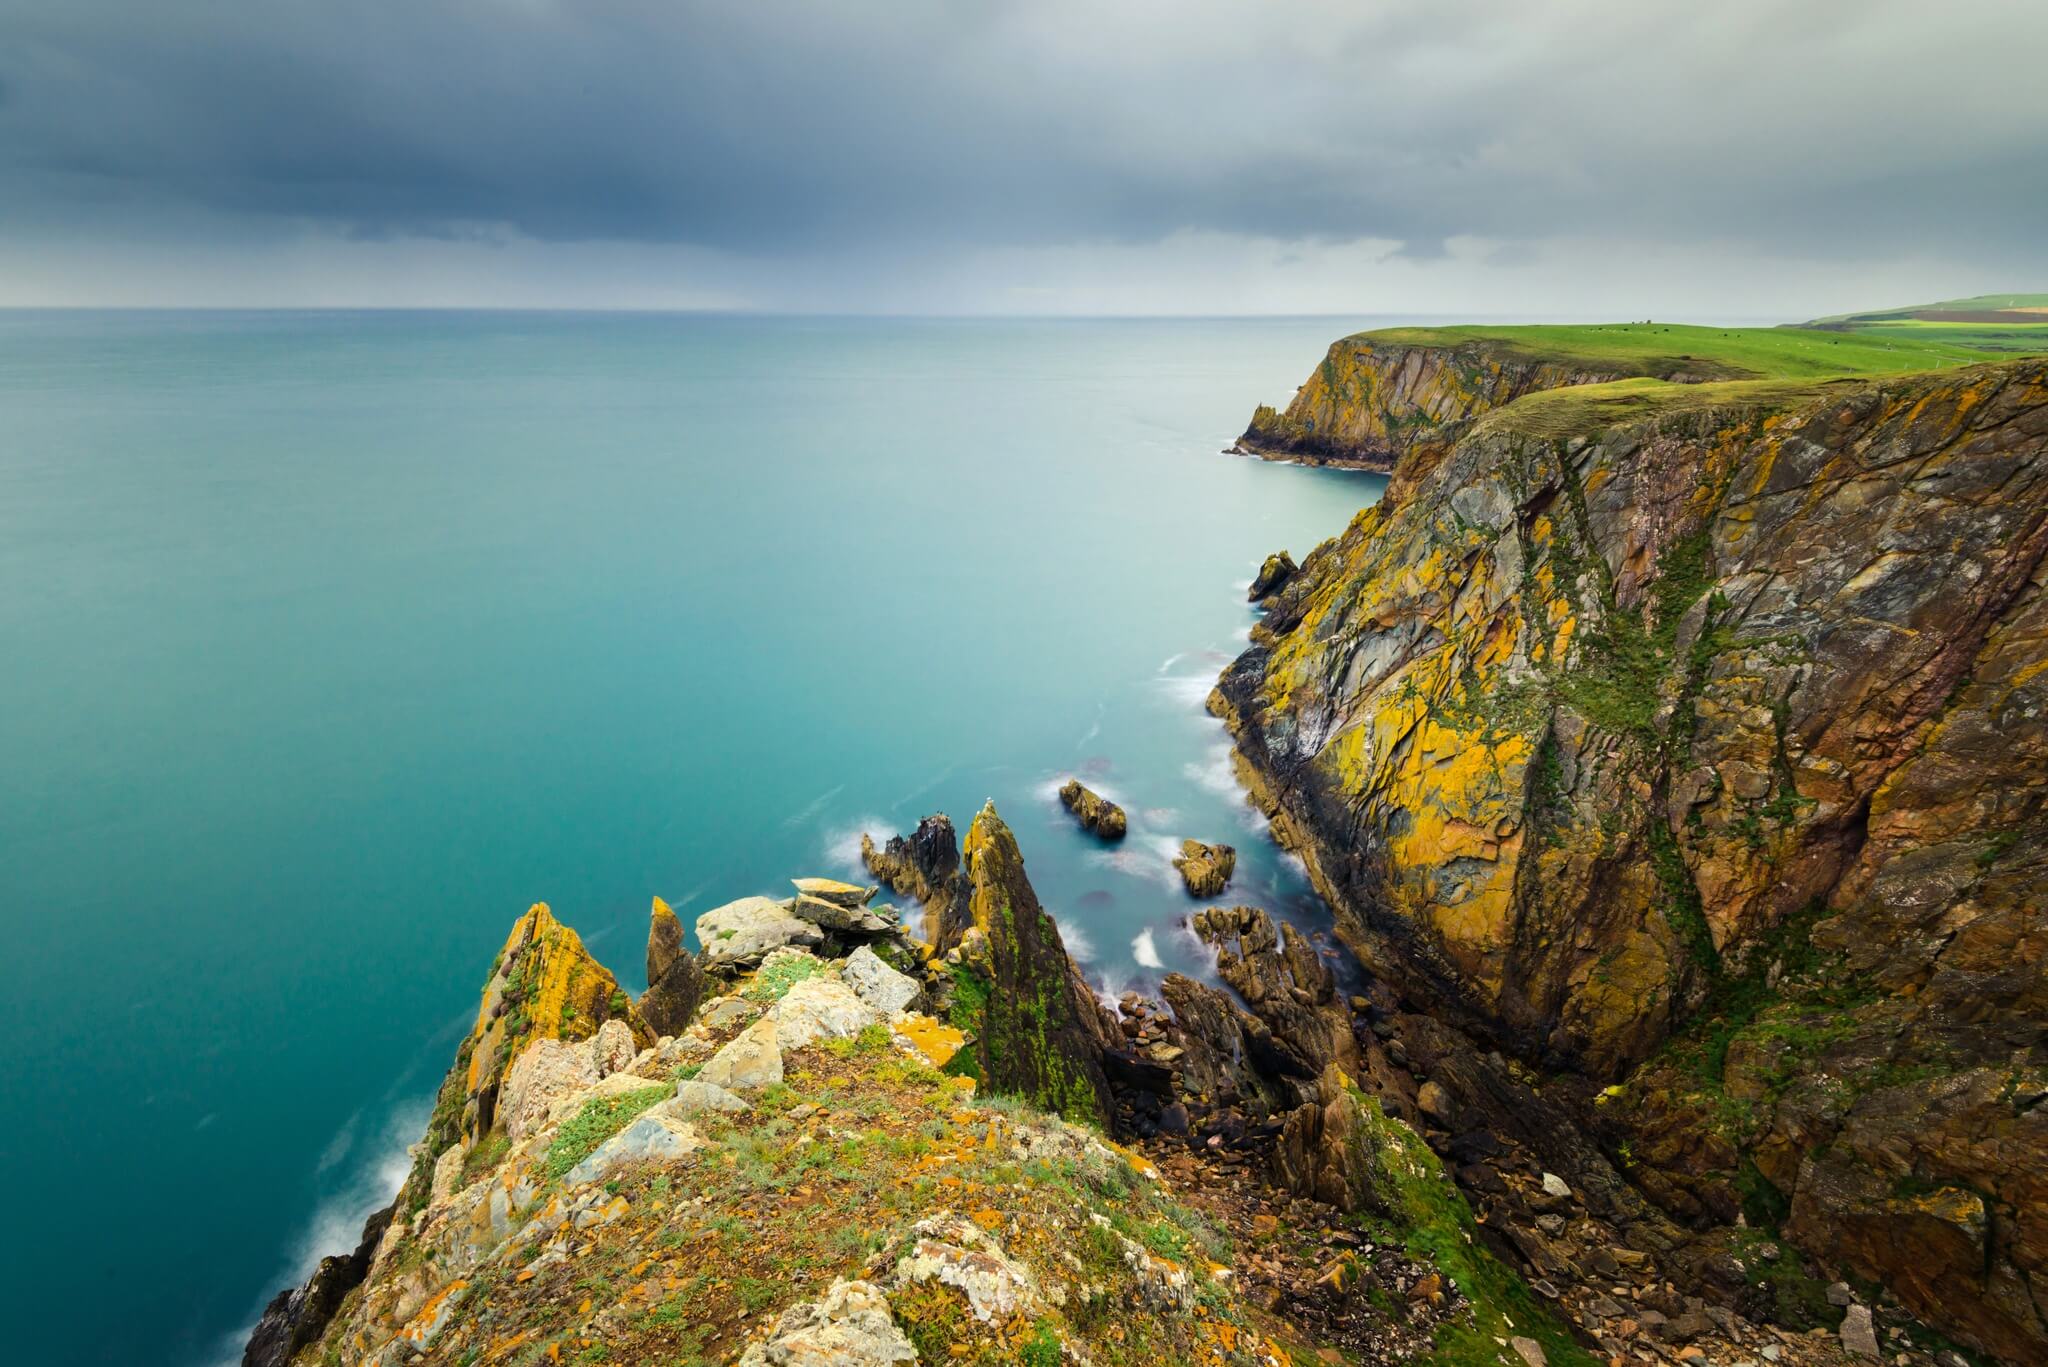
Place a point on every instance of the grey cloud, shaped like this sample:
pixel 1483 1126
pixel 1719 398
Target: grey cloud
pixel 791 128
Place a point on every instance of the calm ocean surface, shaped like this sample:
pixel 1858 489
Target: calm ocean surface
pixel 329 642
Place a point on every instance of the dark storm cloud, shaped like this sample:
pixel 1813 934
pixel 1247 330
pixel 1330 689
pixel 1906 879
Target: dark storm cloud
pixel 799 127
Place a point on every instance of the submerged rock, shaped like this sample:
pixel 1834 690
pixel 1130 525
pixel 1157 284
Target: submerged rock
pixel 1206 869
pixel 1095 812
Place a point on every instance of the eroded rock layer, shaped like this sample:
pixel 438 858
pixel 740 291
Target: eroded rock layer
pixel 1706 756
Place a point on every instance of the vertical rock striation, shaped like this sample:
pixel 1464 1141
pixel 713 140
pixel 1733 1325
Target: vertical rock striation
pixel 1708 755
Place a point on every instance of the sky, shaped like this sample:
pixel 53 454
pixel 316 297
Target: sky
pixel 1518 159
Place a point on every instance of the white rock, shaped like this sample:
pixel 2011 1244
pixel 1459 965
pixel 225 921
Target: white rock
pixel 752 1060
pixel 611 1049
pixel 698 1095
pixel 548 1071
pixel 1859 1336
pixel 821 1008
pixel 952 1252
pixel 849 1327
pixel 653 1137
pixel 1553 1185
pixel 879 985
pixel 724 1012
pixel 741 933
pixel 447 1172
pixel 1529 1350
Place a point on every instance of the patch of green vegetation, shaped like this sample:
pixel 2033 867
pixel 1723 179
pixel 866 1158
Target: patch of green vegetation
pixel 1995 848
pixel 775 979
pixel 600 1119
pixel 1426 1214
pixel 1799 1298
pixel 488 1153
pixel 1042 1349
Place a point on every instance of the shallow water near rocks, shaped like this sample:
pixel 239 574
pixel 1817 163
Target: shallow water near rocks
pixel 329 642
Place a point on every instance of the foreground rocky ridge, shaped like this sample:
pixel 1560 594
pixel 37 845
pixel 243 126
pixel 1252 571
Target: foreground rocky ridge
pixel 818 1168
pixel 1697 765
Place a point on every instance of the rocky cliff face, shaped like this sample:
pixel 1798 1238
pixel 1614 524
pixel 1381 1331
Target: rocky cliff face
pixel 1371 402
pixel 1703 760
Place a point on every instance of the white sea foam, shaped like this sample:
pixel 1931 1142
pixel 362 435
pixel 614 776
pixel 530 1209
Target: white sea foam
pixel 1146 950
pixel 1215 772
pixel 842 845
pixel 1199 949
pixel 1187 690
pixel 337 1222
pixel 1080 948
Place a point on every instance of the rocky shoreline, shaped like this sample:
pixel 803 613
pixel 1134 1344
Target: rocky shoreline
pixel 1678 790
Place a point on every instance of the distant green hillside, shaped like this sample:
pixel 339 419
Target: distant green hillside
pixel 2005 324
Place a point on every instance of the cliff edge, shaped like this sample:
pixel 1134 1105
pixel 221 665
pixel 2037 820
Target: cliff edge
pixel 1689 744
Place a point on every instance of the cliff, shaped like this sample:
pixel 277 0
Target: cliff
pixel 822 1167
pixel 1371 402
pixel 1688 743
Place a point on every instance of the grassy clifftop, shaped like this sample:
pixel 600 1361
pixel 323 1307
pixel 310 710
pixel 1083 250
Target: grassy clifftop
pixel 1662 350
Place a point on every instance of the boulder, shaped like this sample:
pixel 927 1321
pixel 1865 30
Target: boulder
pixel 1094 811
pixel 653 1136
pixel 675 981
pixel 850 1326
pixel 1206 869
pixel 740 934
pixel 1859 1336
pixel 832 890
pixel 821 1008
pixel 840 916
pixel 447 1172
pixel 751 1061
pixel 611 1048
pixel 546 1073
pixel 879 985
pixel 696 1095
pixel 1272 577
pixel 1433 1101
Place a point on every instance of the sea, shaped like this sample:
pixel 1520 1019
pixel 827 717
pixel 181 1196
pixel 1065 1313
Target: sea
pixel 331 641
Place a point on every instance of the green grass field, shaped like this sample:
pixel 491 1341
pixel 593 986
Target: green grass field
pixel 2006 324
pixel 1663 349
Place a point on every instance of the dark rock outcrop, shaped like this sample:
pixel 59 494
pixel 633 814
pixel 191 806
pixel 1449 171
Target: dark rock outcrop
pixel 1272 577
pixel 675 981
pixel 1094 811
pixel 925 865
pixel 299 1315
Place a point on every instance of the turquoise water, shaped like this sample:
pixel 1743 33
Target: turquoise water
pixel 329 642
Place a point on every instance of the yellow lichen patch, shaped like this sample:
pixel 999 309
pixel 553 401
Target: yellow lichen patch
pixel 546 986
pixel 933 1040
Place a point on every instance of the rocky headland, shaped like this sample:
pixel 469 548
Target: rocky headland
pixel 1674 761
pixel 1670 750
